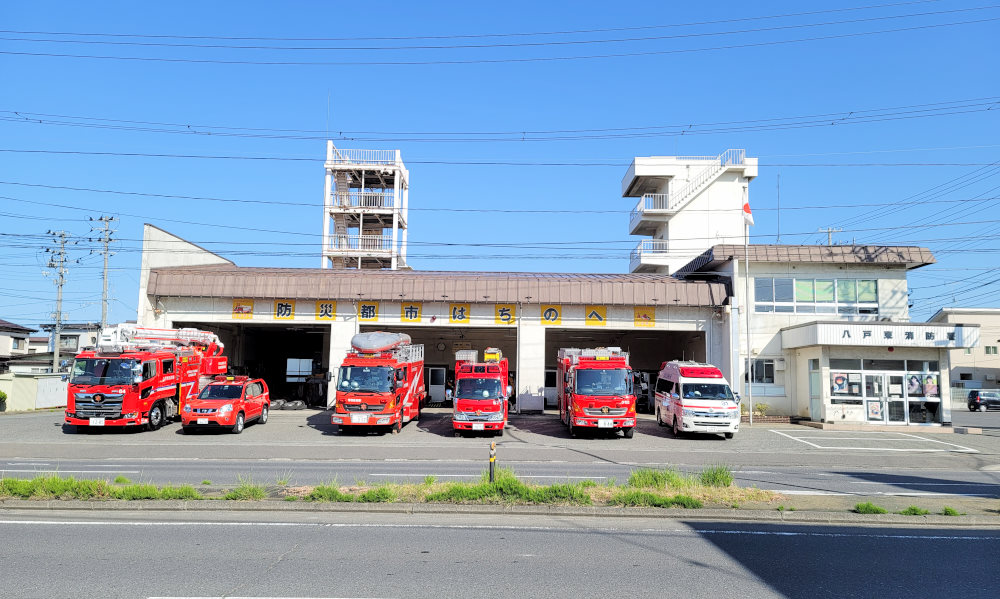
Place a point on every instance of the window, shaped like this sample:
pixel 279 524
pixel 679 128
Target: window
pixel 550 378
pixel 168 367
pixel 965 376
pixel 991 350
pixel 968 351
pixel 148 370
pixel 664 386
pixel 816 296
pixel 763 371
pixel 68 341
pixel 16 342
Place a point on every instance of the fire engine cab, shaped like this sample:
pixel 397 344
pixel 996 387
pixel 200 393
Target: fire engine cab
pixel 481 392
pixel 380 382
pixel 595 390
pixel 138 376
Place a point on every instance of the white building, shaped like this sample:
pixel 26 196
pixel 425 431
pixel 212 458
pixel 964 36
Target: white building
pixel 365 209
pixel 974 367
pixel 13 342
pixel 686 204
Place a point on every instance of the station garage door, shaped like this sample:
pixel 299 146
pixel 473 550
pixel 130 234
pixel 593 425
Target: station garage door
pixel 265 351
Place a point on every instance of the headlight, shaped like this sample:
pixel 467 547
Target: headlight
pixel 687 412
pixel 496 416
pixel 461 416
pixel 226 408
pixel 187 408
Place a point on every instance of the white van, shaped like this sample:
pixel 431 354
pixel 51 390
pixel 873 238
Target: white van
pixel 693 397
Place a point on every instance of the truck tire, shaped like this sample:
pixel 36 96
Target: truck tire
pixel 399 423
pixel 572 429
pixel 240 423
pixel 295 404
pixel 629 432
pixel 729 435
pixel 659 420
pixel 500 432
pixel 277 404
pixel 156 417
pixel 675 428
pixel 262 419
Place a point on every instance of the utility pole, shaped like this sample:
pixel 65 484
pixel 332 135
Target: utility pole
pixel 104 239
pixel 829 234
pixel 57 262
pixel 778 240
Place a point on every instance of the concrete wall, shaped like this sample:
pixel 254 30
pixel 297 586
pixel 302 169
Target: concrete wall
pixel 26 392
pixel 981 370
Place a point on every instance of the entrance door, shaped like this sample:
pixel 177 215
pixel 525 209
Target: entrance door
pixel 884 401
pixel 435 384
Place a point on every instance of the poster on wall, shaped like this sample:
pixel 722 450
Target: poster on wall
pixel 875 410
pixel 914 386
pixel 839 383
pixel 930 385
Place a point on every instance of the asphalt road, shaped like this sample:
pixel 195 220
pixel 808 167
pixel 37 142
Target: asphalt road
pixel 395 555
pixel 301 447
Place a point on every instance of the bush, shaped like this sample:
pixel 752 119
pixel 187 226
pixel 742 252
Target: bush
pixel 761 408
pixel 246 490
pixel 717 476
pixel 869 508
pixel 649 478
pixel 949 511
pixel 914 511
pixel 3 397
pixel 328 493
pixel 377 495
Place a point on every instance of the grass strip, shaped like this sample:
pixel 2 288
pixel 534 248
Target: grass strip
pixel 58 487
pixel 635 498
pixel 869 508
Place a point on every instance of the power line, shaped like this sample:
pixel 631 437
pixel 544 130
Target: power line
pixel 476 35
pixel 519 44
pixel 499 60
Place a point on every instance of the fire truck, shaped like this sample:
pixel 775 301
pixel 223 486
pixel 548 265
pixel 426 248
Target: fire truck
pixel 481 392
pixel 595 390
pixel 139 376
pixel 380 382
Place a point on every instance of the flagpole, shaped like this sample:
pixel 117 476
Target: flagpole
pixel 746 304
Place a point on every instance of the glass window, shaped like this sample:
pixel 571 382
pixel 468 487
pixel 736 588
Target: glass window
pixel 763 371
pixel 867 310
pixel 845 387
pixel 868 291
pixel 805 309
pixel 69 341
pixel 824 290
pixel 845 364
pixel 922 365
pixel 842 309
pixel 764 308
pixel 780 308
pixel 763 289
pixel 968 351
pixel 168 366
pixel 991 350
pixel 148 370
pixel 550 378
pixel 847 291
pixel 813 364
pixel 805 291
pixel 914 385
pixel 784 290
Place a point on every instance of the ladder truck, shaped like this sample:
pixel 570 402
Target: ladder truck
pixel 141 376
pixel 380 383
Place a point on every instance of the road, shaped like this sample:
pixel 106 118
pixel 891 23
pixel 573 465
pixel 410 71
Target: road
pixel 301 447
pixel 395 555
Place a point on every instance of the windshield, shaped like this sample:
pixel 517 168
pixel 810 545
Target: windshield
pixel 221 392
pixel 613 381
pixel 373 379
pixel 479 389
pixel 102 371
pixel 706 391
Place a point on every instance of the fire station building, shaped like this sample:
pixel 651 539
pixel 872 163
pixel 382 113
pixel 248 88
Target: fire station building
pixel 826 328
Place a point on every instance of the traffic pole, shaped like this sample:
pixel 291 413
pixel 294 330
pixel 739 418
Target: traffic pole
pixel 493 459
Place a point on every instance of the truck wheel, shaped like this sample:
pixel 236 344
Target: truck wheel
pixel 238 427
pixel 729 435
pixel 572 429
pixel 659 421
pixel 982 407
pixel 155 420
pixel 458 434
pixel 263 415
pixel 628 433
pixel 399 423
pixel 676 429
pixel 500 432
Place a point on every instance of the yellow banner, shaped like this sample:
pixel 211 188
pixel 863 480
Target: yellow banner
pixel 645 316
pixel 551 314
pixel 284 309
pixel 410 311
pixel 242 309
pixel 459 313
pixel 326 310
pixel 368 311
pixel 595 316
pixel 505 313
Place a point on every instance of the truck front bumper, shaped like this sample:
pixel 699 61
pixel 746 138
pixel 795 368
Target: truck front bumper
pixel 370 419
pixel 616 423
pixel 133 419
pixel 463 425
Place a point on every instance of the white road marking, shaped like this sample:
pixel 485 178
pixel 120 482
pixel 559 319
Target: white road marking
pixel 879 493
pixel 477 475
pixel 28 463
pixel 60 471
pixel 675 531
pixel 911 437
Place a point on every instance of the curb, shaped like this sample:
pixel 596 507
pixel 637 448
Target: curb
pixel 704 514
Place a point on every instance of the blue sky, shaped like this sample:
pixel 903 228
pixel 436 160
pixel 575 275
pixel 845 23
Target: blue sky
pixel 920 75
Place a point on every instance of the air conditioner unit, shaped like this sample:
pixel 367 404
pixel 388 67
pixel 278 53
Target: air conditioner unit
pixel 779 364
pixel 991 377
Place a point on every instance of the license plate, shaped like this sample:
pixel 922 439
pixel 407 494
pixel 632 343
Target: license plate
pixel 605 423
pixel 714 429
pixel 478 426
pixel 203 421
pixel 359 418
pixel 96 422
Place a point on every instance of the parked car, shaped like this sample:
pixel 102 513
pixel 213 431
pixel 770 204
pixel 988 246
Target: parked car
pixel 228 402
pixel 983 400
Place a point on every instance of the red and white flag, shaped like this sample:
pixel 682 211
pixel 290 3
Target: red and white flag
pixel 747 215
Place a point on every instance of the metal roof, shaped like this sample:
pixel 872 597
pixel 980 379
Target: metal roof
pixel 222 280
pixel 890 255
pixel 14 328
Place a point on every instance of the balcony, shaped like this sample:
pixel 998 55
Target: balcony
pixel 651 210
pixel 356 198
pixel 335 156
pixel 651 255
pixel 360 245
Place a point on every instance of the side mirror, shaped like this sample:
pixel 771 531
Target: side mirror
pixel 137 379
pixel 509 390
pixel 399 376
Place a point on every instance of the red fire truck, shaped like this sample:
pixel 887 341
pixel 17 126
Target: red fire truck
pixel 595 390
pixel 139 376
pixel 380 382
pixel 481 392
